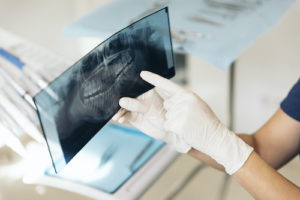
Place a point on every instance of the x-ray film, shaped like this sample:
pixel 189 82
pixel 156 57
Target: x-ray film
pixel 77 104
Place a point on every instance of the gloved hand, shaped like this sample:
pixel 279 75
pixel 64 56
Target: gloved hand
pixel 148 115
pixel 188 116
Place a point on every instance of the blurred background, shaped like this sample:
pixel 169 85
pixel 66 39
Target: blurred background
pixel 262 76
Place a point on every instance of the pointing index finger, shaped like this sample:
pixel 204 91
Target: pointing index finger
pixel 161 82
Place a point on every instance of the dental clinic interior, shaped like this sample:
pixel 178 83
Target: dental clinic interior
pixel 65 65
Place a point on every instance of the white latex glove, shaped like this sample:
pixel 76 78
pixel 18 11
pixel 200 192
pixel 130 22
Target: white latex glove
pixel 148 115
pixel 188 116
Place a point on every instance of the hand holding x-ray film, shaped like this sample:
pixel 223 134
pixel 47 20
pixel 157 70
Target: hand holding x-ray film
pixel 191 119
pixel 148 115
pixel 77 104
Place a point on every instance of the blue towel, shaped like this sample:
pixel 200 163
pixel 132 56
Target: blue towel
pixel 222 44
pixel 112 156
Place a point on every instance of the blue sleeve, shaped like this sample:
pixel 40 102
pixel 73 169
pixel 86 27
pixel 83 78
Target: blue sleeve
pixel 291 104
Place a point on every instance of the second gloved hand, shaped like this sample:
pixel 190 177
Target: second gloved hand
pixel 188 116
pixel 147 114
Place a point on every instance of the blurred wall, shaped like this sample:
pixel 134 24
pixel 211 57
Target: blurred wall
pixel 42 22
pixel 266 71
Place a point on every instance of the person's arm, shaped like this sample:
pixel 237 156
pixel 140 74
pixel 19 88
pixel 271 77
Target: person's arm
pixel 276 142
pixel 191 119
pixel 263 182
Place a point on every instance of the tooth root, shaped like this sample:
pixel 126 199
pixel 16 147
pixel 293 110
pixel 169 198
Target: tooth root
pixel 94 86
pixel 94 102
pixel 85 90
pixel 91 89
pixel 89 102
pixel 98 85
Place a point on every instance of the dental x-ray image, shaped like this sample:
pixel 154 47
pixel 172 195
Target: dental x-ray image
pixel 77 104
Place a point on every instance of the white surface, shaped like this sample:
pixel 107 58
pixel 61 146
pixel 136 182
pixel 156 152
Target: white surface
pixel 41 22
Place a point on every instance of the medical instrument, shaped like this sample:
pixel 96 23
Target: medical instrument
pixel 179 38
pixel 10 123
pixel 193 34
pixel 205 20
pixel 9 133
pixel 215 12
pixel 11 140
pixel 108 153
pixel 24 94
pixel 142 152
pixel 158 4
pixel 18 77
pixel 24 74
pixel 21 119
pixel 11 58
pixel 25 69
pixel 19 102
pixel 182 36
pixel 45 64
pixel 233 6
pixel 17 62
pixel 253 1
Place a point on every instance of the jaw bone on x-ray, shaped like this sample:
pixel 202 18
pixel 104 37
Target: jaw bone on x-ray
pixel 76 105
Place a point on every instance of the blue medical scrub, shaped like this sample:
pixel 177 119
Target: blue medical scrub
pixel 291 104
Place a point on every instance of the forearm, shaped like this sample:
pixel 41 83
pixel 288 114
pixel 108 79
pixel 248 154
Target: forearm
pixel 263 182
pixel 271 184
pixel 206 159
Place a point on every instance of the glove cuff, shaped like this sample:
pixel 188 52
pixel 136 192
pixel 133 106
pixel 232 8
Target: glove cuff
pixel 233 152
pixel 240 155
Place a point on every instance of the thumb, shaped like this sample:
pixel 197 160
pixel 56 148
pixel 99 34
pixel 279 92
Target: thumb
pixel 133 105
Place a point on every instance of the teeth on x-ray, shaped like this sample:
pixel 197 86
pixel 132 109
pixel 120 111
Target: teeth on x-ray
pixel 91 89
pixel 114 72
